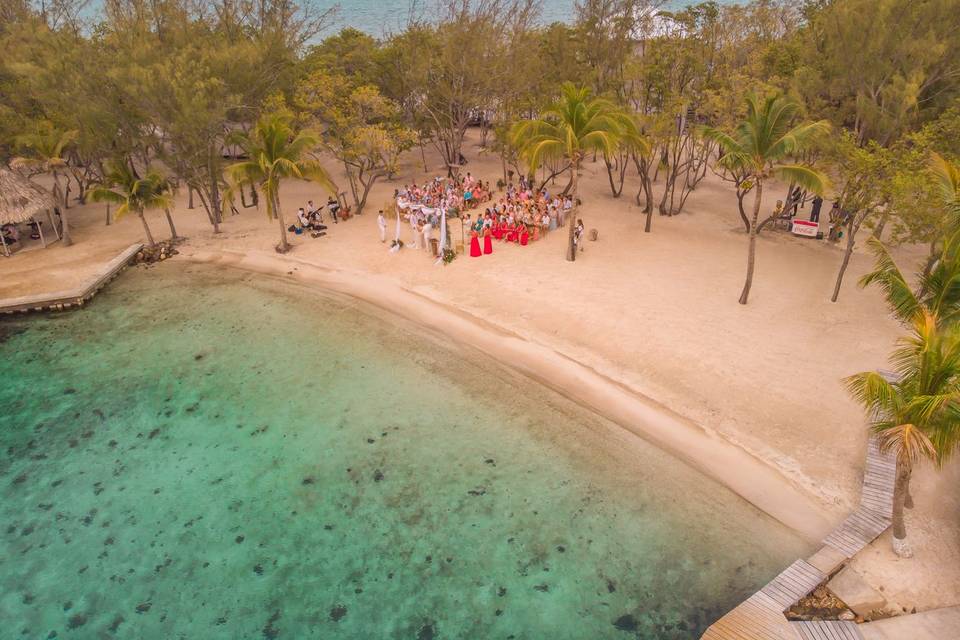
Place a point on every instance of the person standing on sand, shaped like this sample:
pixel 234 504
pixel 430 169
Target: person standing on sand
pixel 427 232
pixel 414 231
pixel 333 206
pixel 815 210
pixel 382 225
pixel 578 237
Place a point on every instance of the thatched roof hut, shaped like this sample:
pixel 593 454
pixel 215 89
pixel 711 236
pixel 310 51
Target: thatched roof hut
pixel 21 199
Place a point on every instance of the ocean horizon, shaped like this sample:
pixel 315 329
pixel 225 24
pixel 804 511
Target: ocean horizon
pixel 382 17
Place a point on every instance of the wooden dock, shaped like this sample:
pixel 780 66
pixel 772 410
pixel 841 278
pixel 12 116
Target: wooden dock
pixel 761 616
pixel 60 300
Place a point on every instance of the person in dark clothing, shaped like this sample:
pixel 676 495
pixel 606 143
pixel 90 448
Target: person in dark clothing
pixel 333 207
pixel 795 199
pixel 815 211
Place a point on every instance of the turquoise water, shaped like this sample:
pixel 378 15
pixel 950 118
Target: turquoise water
pixel 201 453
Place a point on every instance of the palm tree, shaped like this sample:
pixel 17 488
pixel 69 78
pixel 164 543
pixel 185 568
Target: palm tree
pixel 947 175
pixel 938 287
pixel 276 152
pixel 124 187
pixel 45 149
pixel 577 124
pixel 917 417
pixel 758 147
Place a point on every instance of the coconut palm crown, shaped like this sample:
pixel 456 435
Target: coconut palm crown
pixel 916 417
pixel 44 150
pixel 123 186
pixel 577 124
pixel 276 152
pixel 759 146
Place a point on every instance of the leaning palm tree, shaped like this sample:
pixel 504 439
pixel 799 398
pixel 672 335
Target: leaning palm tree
pixel 123 186
pixel 44 149
pixel 758 148
pixel 276 152
pixel 938 286
pixel 917 417
pixel 577 124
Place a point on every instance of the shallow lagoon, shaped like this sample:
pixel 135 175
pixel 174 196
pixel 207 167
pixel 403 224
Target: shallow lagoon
pixel 203 453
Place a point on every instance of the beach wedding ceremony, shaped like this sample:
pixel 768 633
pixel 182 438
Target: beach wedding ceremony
pixel 480 319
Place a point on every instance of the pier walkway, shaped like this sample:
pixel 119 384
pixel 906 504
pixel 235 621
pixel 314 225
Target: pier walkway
pixel 761 616
pixel 59 300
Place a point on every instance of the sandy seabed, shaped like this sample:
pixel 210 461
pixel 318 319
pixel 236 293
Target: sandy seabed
pixel 655 313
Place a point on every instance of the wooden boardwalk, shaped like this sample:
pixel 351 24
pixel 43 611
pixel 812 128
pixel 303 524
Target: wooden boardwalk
pixel 761 616
pixel 59 300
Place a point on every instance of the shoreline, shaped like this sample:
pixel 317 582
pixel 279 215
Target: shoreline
pixel 757 481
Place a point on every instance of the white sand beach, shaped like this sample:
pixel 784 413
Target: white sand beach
pixel 655 315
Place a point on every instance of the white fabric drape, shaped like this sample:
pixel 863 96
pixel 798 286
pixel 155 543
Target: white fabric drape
pixel 443 230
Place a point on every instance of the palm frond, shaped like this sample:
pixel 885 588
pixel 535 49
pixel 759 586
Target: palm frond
pixel 887 275
pixel 806 177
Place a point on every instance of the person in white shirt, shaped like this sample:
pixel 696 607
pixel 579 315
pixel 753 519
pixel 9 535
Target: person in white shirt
pixel 427 232
pixel 416 232
pixel 302 218
pixel 314 213
pixel 382 224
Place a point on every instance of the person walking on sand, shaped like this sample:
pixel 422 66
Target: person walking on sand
pixel 382 225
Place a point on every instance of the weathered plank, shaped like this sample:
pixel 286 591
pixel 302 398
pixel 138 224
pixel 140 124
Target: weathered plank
pixel 760 617
pixel 827 630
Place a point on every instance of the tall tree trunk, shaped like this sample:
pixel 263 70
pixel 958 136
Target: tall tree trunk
pixel 843 265
pixel 108 214
pixel 64 222
pixel 752 250
pixel 878 230
pixel 743 214
pixel 367 186
pixel 284 245
pixel 173 229
pixel 213 168
pixel 901 489
pixel 574 180
pixel 146 229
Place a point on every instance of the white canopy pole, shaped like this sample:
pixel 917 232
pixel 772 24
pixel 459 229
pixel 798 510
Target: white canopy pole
pixel 443 229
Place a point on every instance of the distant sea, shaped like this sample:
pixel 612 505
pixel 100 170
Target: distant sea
pixel 383 17
pixel 380 17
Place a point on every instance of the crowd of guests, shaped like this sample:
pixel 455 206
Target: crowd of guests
pixel 423 205
pixel 521 215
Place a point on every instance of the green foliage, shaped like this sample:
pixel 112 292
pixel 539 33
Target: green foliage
pixel 880 66
pixel 572 127
pixel 124 187
pixel 917 416
pixel 768 136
